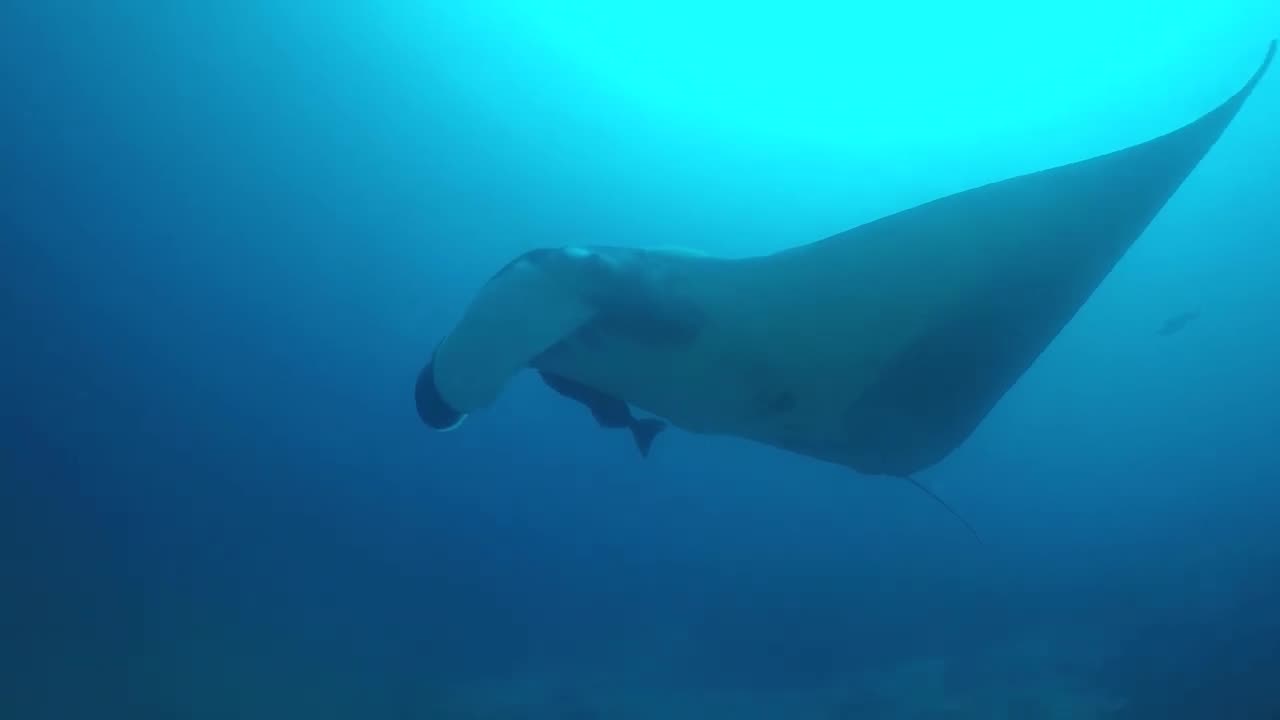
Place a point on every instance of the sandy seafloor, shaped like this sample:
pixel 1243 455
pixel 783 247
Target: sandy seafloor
pixel 1044 677
pixel 1051 675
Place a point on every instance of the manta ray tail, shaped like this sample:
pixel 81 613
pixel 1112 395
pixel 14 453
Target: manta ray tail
pixel 924 489
pixel 645 431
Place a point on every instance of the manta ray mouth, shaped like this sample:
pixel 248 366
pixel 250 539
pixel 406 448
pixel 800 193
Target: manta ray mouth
pixel 432 408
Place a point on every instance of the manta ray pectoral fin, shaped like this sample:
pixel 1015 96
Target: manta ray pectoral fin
pixel 553 301
pixel 520 312
pixel 985 279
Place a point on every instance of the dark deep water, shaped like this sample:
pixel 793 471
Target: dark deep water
pixel 230 234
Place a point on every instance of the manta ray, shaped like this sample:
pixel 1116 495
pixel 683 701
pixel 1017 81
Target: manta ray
pixel 880 348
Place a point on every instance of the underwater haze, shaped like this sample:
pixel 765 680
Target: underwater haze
pixel 231 234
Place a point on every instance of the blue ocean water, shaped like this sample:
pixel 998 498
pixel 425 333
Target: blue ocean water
pixel 231 233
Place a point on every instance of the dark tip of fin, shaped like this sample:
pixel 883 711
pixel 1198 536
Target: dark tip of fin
pixel 1262 70
pixel 924 489
pixel 1227 110
pixel 645 431
pixel 432 408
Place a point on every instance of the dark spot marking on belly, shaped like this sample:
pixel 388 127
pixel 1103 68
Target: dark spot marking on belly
pixel 649 329
pixel 588 337
pixel 778 403
pixel 647 319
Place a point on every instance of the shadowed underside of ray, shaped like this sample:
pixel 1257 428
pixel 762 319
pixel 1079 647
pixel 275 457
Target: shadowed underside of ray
pixel 880 348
